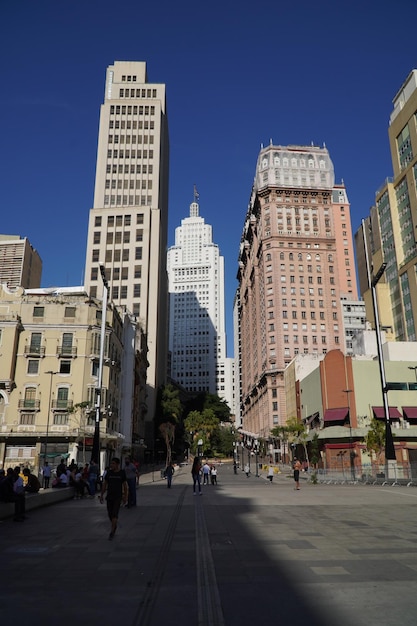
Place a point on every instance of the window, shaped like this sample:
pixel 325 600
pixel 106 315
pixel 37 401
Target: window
pixel 69 311
pixel 33 366
pixel 65 367
pixel 136 291
pixel 138 254
pixel 97 221
pixel 123 292
pixel 35 343
pixel 38 311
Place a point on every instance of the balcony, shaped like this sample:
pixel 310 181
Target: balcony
pixel 61 405
pixel 29 404
pixel 66 351
pixel 38 351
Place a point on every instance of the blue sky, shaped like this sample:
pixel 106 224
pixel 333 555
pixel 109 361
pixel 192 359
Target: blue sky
pixel 237 75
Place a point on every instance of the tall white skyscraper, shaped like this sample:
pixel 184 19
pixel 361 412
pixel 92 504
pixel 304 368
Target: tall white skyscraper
pixel 197 338
pixel 128 223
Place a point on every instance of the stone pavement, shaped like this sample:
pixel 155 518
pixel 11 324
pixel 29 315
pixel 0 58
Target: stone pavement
pixel 246 552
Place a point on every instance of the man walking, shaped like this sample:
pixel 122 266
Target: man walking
pixel 46 473
pixel 132 476
pixel 296 467
pixel 206 473
pixel 169 472
pixel 115 485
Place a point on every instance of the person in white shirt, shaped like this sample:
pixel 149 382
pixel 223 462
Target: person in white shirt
pixel 213 474
pixel 206 473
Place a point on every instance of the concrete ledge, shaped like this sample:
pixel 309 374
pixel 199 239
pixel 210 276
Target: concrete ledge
pixel 45 497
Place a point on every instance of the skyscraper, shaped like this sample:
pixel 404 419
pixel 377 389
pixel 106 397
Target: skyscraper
pixel 197 338
pixel 295 262
pixel 20 263
pixel 391 225
pixel 127 230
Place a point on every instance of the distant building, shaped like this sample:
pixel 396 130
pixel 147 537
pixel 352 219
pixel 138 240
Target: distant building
pixel 50 347
pixel 390 228
pixel 354 320
pixel 197 337
pixel 295 264
pixel 20 263
pixel 127 230
pixel 337 396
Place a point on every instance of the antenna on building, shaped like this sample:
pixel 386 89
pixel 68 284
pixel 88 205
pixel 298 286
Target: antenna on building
pixel 196 194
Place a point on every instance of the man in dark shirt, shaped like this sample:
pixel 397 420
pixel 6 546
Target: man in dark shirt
pixel 116 486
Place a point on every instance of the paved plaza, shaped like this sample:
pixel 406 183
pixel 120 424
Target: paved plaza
pixel 246 552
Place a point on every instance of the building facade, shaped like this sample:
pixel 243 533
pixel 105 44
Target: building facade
pixel 127 230
pixel 295 263
pixel 197 337
pixel 20 263
pixel 390 228
pixel 50 345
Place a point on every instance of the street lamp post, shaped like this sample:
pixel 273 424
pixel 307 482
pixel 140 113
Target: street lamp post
pixel 372 282
pixel 51 373
pixel 243 461
pixel 256 456
pixel 95 453
pixel 413 367
pixel 351 452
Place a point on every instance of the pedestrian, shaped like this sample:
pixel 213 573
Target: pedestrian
pixel 46 475
pixel 213 475
pixel 132 476
pixel 296 467
pixel 92 477
pixel 206 473
pixel 270 473
pixel 115 484
pixel 247 470
pixel 169 472
pixel 19 491
pixel 32 483
pixel 8 494
pixel 195 473
pixel 61 468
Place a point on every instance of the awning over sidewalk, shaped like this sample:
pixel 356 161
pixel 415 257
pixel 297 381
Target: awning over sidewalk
pixel 335 415
pixel 410 412
pixel 379 412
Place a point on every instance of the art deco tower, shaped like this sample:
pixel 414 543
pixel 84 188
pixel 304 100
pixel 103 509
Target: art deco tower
pixel 295 263
pixel 128 223
pixel 197 338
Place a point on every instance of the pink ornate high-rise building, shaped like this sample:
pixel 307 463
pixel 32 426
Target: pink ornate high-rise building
pixel 296 262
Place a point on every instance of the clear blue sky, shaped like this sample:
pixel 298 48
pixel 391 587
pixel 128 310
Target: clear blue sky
pixel 237 73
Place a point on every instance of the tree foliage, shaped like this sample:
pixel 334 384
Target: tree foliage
pixel 211 401
pixel 375 438
pixel 201 425
pixel 170 413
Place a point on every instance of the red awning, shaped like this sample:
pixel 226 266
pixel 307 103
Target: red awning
pixel 335 415
pixel 410 412
pixel 379 412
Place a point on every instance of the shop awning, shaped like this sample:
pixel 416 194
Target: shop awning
pixel 379 412
pixel 410 412
pixel 335 415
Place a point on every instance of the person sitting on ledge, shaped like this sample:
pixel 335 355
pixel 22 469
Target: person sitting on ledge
pixel 32 484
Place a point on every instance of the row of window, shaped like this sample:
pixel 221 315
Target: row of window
pixel 128 184
pixel 117 109
pixel 118 220
pixel 140 139
pixel 137 93
pixel 130 200
pixel 114 169
pixel 131 125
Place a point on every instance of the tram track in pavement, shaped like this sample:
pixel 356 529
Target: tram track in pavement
pixel 208 598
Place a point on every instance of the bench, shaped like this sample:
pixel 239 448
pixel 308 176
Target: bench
pixel 45 497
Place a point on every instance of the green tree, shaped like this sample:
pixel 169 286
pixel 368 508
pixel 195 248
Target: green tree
pixel 202 425
pixel 211 401
pixel 375 439
pixel 170 413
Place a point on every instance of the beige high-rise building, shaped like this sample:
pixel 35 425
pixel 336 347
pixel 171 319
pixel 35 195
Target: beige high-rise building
pixel 20 263
pixel 390 229
pixel 127 230
pixel 295 263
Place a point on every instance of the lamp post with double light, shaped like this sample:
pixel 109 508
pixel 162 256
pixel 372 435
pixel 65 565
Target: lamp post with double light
pixel 95 453
pixel 51 374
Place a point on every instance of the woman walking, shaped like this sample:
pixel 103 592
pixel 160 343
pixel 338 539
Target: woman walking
pixel 195 473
